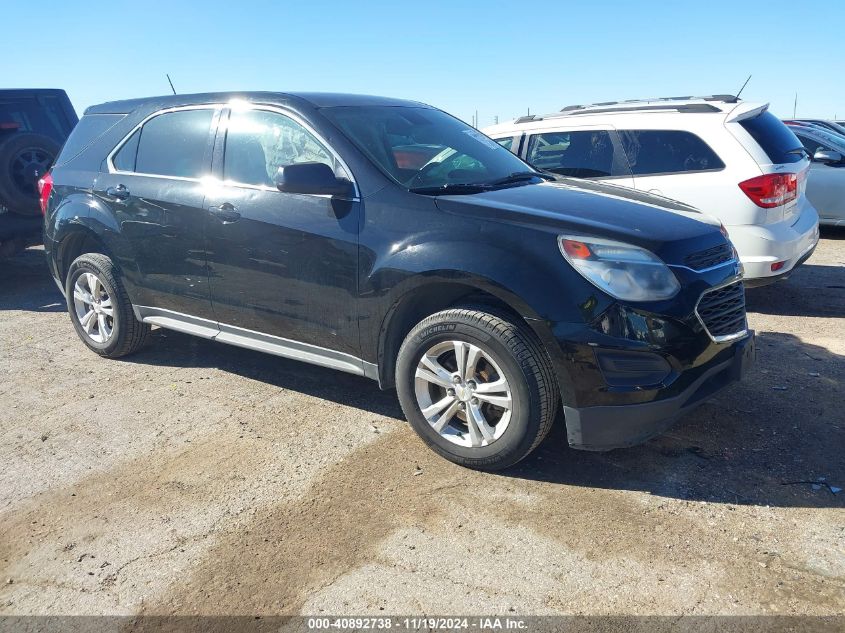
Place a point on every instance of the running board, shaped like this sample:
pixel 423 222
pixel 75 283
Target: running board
pixel 249 339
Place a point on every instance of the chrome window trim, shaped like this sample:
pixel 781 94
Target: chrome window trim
pixel 110 158
pixel 300 121
pixel 725 338
pixel 229 183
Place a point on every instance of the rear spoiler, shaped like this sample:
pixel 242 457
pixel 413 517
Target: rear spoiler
pixel 746 111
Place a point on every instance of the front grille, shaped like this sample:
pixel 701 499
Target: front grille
pixel 722 311
pixel 711 257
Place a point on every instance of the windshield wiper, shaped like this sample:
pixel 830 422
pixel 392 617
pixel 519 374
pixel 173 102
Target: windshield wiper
pixel 519 176
pixel 456 188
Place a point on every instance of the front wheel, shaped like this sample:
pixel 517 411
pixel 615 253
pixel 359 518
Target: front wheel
pixel 477 387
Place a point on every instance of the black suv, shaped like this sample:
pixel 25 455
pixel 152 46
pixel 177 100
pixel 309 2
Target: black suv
pixel 308 226
pixel 33 126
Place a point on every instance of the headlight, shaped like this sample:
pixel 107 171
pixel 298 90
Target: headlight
pixel 623 271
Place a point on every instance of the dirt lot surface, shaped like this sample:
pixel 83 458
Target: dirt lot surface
pixel 199 478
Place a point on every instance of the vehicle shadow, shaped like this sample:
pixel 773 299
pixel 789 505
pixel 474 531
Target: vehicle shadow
pixel 832 232
pixel 174 349
pixel 812 290
pixel 26 284
pixel 775 439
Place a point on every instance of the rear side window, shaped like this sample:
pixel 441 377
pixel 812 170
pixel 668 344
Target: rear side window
pixel 774 138
pixel 652 152
pixel 89 129
pixel 579 154
pixel 171 144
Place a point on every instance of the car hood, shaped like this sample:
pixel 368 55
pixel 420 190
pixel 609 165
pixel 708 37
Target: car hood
pixel 594 209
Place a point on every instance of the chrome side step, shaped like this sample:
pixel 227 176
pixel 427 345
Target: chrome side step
pixel 258 341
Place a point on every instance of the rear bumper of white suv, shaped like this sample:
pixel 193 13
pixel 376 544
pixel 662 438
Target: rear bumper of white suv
pixel 762 246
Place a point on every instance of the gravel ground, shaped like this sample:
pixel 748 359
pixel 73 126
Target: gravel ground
pixel 200 478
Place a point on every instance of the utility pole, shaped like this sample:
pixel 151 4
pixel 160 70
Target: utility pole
pixel 795 106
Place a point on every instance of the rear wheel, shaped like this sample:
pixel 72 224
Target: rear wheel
pixel 24 158
pixel 477 387
pixel 100 308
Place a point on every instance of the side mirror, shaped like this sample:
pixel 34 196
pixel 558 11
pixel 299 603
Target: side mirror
pixel 827 157
pixel 313 178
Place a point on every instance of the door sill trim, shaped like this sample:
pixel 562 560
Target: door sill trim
pixel 250 339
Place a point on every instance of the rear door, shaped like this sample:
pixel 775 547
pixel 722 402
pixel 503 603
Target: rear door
pixel 153 183
pixel 281 264
pixel 590 152
pixel 676 164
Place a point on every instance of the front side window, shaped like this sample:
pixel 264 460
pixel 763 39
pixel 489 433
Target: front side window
pixel 507 143
pixel 423 148
pixel 170 144
pixel 653 152
pixel 259 142
pixel 812 146
pixel 579 154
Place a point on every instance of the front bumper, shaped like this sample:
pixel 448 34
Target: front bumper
pixel 602 428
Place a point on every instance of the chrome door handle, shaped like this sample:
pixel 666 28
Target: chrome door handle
pixel 225 212
pixel 120 192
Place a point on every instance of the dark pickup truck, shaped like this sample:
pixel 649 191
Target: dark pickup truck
pixel 34 125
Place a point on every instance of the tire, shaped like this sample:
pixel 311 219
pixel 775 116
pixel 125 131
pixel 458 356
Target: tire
pixel 23 159
pixel 113 335
pixel 506 349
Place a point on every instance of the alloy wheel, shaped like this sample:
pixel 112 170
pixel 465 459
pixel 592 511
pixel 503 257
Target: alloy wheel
pixel 463 394
pixel 93 307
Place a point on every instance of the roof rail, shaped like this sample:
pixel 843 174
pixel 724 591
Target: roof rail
pixel 725 98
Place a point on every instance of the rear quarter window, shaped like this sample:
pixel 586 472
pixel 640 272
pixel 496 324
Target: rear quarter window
pixel 652 152
pixel 89 129
pixel 774 138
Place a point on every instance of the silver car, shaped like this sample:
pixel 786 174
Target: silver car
pixel 826 183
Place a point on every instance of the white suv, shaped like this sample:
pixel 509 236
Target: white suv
pixel 731 159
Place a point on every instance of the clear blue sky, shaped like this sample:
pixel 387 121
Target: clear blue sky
pixel 497 57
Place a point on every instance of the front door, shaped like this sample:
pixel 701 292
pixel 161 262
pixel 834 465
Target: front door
pixel 591 152
pixel 280 264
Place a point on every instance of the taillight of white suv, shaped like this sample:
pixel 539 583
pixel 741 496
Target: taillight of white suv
pixel 772 190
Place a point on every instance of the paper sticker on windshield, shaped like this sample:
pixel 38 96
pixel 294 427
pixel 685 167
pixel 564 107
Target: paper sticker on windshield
pixel 478 136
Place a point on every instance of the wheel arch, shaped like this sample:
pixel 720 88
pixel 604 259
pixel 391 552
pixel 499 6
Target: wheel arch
pixel 433 293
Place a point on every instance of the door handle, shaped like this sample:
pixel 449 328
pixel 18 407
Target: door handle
pixel 119 192
pixel 225 212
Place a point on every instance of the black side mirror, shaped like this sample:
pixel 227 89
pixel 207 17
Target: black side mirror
pixel 828 157
pixel 314 178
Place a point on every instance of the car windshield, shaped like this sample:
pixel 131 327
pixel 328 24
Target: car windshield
pixel 426 150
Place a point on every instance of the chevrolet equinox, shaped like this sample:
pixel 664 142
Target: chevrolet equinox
pixel 388 239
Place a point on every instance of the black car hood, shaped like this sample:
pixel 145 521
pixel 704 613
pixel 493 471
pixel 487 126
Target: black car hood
pixel 594 209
